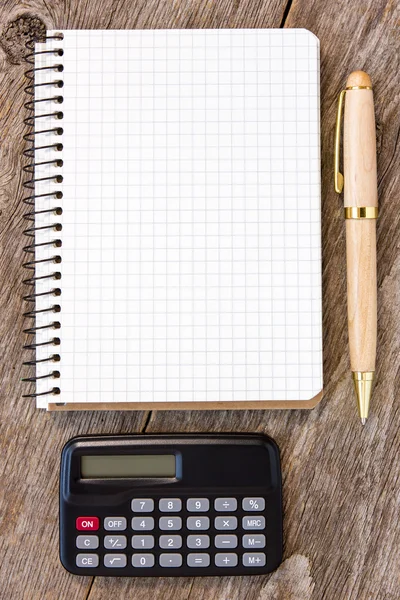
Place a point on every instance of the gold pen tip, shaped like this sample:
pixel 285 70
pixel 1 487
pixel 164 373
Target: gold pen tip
pixel 363 381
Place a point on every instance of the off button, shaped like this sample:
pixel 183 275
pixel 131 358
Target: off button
pixel 87 523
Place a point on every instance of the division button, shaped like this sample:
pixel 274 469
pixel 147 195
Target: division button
pixel 253 522
pixel 170 560
pixel 142 505
pixel 142 541
pixel 198 504
pixel 170 523
pixel 87 523
pixel 226 541
pixel 198 560
pixel 87 560
pixel 116 561
pixel 255 541
pixel 142 523
pixel 170 541
pixel 143 560
pixel 112 542
pixel 253 559
pixel 225 504
pixel 115 523
pixel 87 542
pixel 226 560
pixel 253 504
pixel 200 523
pixel 223 523
pixel 198 541
pixel 170 505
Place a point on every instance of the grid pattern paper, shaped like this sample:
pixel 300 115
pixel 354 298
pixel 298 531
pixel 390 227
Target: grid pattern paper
pixel 191 250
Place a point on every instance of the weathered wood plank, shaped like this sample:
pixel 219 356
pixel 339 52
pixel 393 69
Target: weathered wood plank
pixel 342 508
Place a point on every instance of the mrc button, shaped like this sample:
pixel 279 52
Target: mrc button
pixel 87 523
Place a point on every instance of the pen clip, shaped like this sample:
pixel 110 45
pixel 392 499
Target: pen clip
pixel 339 181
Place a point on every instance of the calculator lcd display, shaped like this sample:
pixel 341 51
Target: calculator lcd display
pixel 128 465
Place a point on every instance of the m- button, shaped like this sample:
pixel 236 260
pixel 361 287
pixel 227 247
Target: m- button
pixel 115 523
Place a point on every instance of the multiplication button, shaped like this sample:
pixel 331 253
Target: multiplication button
pixel 142 505
pixel 225 523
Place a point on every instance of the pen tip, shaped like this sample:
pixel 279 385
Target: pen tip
pixel 363 421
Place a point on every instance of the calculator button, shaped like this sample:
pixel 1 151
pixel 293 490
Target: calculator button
pixel 254 541
pixel 225 504
pixel 115 523
pixel 256 522
pixel 198 541
pixel 143 560
pixel 88 542
pixel 87 523
pixel 87 560
pixel 253 504
pixel 226 560
pixel 170 505
pixel 170 541
pixel 142 523
pixel 115 541
pixel 198 523
pixel 142 505
pixel 170 523
pixel 253 559
pixel 142 541
pixel 225 523
pixel 226 541
pixel 198 560
pixel 115 560
pixel 198 504
pixel 170 560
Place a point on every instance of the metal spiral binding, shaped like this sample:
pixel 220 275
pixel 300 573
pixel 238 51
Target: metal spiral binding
pixel 35 131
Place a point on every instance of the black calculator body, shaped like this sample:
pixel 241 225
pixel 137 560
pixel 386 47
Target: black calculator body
pixel 170 505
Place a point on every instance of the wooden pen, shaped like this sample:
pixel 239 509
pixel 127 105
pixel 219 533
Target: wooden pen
pixel 361 211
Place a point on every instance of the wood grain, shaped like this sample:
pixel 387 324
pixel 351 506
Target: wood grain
pixel 341 482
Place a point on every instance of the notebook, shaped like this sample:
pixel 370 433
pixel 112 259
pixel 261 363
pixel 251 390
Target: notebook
pixel 177 249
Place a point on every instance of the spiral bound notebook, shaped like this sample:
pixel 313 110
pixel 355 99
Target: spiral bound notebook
pixel 177 244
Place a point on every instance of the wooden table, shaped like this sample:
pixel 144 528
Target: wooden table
pixel 341 482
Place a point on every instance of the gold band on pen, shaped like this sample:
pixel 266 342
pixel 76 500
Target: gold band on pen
pixel 361 212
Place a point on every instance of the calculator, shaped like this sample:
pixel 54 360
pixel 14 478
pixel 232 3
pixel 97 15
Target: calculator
pixel 171 505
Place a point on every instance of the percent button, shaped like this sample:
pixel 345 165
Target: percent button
pixel 253 504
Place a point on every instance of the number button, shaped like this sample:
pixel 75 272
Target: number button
pixel 170 505
pixel 170 523
pixel 87 560
pixel 142 505
pixel 142 523
pixel 254 541
pixel 225 523
pixel 198 523
pixel 226 560
pixel 254 559
pixel 115 541
pixel 198 560
pixel 198 541
pixel 226 541
pixel 142 541
pixel 115 560
pixel 115 523
pixel 88 542
pixel 225 504
pixel 170 541
pixel 253 504
pixel 198 504
pixel 143 560
pixel 170 560
pixel 250 522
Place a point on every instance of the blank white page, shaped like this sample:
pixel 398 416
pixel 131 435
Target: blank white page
pixel 191 248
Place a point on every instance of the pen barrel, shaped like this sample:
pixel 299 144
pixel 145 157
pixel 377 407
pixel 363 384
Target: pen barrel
pixel 361 292
pixel 359 149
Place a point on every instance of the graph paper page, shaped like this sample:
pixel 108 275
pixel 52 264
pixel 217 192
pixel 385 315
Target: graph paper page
pixel 191 249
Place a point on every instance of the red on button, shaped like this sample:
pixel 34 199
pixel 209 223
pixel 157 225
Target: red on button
pixel 87 523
